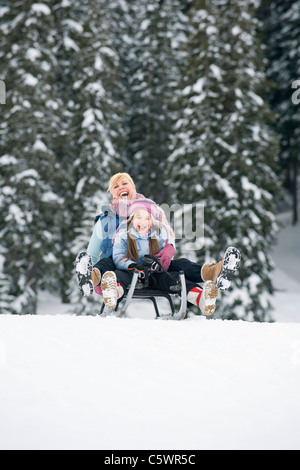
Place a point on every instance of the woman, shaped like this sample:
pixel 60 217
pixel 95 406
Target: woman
pixel 92 264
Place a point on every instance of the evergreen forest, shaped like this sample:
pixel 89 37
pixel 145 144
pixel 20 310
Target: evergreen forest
pixel 197 100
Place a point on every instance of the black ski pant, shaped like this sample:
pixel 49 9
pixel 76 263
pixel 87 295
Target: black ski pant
pixel 105 264
pixel 160 280
pixel 157 280
pixel 192 271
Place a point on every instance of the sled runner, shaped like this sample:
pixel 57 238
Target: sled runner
pixel 137 290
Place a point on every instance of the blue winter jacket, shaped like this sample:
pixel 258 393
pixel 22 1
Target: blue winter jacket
pixel 120 246
pixel 101 245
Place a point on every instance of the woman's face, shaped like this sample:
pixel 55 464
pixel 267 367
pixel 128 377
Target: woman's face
pixel 123 189
pixel 142 222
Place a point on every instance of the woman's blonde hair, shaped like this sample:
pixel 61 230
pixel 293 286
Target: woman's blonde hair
pixel 115 178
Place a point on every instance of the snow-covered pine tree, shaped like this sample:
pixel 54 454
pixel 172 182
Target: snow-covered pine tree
pixel 91 135
pixel 5 298
pixel 99 102
pixel 28 202
pixel 224 152
pixel 280 24
pixel 152 68
pixel 92 81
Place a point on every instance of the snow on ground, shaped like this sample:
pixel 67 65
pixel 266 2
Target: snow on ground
pixel 71 382
pixel 90 383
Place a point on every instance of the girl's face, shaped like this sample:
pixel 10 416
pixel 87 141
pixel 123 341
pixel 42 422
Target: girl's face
pixel 122 189
pixel 142 222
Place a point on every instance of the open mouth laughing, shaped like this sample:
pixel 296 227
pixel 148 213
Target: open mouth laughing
pixel 124 195
pixel 142 228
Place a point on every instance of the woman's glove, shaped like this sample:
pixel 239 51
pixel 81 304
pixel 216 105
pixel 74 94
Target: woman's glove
pixel 166 255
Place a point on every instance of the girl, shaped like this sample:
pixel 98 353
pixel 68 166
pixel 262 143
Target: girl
pixel 144 234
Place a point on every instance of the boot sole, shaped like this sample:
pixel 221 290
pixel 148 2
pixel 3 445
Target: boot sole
pixel 208 298
pixel 231 263
pixel 109 289
pixel 83 269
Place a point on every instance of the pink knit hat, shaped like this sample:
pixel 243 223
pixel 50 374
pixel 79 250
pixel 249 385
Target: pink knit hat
pixel 153 209
pixel 146 205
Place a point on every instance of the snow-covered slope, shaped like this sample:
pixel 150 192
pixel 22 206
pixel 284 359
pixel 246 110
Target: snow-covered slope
pixel 91 383
pixel 70 382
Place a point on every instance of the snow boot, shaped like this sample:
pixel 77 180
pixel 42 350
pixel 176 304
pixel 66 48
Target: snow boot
pixel 223 271
pixel 230 266
pixel 111 290
pixel 96 277
pixel 211 271
pixel 83 269
pixel 204 298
